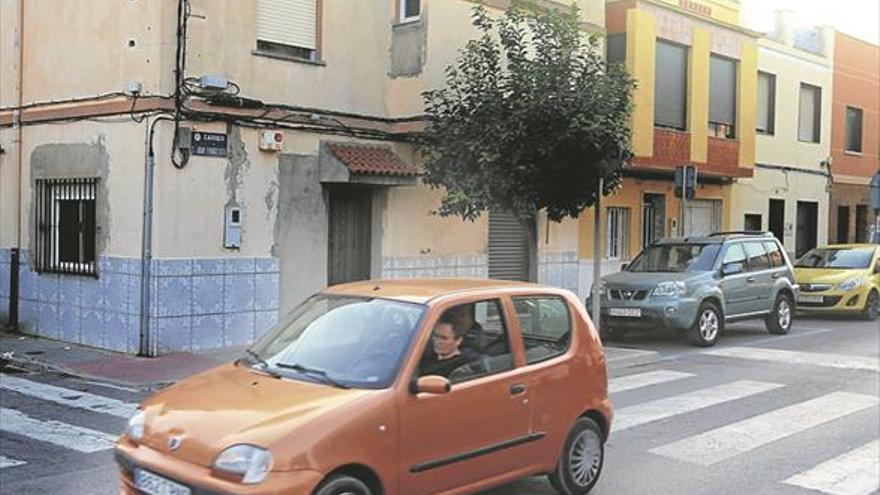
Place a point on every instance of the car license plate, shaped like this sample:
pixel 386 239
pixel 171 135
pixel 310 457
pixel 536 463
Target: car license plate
pixel 626 312
pixel 153 484
pixel 810 299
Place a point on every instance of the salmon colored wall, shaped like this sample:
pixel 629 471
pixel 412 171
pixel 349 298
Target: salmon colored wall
pixel 856 84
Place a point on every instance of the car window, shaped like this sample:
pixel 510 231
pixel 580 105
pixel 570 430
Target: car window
pixel 735 254
pixel 758 259
pixel 775 254
pixel 483 343
pixel 545 324
pixel 837 258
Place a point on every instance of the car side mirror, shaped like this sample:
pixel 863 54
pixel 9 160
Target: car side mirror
pixel 624 266
pixel 432 384
pixel 729 269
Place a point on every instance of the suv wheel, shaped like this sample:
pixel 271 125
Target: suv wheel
pixel 343 485
pixel 872 306
pixel 580 464
pixel 779 320
pixel 709 325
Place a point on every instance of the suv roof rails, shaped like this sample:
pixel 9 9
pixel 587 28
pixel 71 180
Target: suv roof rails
pixel 741 232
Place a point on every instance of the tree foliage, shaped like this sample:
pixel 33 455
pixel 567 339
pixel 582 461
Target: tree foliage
pixel 530 118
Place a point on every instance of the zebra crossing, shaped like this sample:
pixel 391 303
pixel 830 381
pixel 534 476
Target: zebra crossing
pixel 854 472
pixel 649 398
pixel 31 423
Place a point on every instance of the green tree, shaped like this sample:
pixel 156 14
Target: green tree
pixel 530 118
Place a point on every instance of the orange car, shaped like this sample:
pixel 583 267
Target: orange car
pixel 409 387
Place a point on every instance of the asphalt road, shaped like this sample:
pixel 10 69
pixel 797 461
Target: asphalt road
pixel 757 414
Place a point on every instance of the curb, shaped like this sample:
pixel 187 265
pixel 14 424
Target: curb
pixel 32 364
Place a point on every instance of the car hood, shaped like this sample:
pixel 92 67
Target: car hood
pixel 831 276
pixel 646 279
pixel 234 404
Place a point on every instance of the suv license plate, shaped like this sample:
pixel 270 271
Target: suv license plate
pixel 153 484
pixel 626 312
pixel 810 299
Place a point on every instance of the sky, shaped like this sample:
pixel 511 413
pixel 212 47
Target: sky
pixel 859 18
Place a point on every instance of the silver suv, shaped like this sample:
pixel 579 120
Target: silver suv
pixel 698 284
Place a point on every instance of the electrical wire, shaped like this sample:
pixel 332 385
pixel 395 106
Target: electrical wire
pixel 183 12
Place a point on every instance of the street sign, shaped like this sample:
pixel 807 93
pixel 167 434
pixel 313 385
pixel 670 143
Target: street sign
pixel 209 144
pixel 686 176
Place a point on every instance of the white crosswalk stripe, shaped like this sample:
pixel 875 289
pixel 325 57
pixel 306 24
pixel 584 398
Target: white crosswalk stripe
pixel 794 357
pixel 68 397
pixel 728 441
pixel 630 382
pixel 854 473
pixel 55 432
pixel 6 462
pixel 647 412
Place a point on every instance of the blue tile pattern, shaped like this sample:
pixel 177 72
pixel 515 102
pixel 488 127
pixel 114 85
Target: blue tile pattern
pixel 199 303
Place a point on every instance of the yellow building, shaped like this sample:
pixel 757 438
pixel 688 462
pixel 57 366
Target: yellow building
pixel 696 71
pixel 788 194
pixel 291 166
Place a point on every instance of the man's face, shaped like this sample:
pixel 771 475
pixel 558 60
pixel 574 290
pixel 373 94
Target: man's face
pixel 445 342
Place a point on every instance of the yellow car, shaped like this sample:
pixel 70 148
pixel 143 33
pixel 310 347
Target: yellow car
pixel 840 279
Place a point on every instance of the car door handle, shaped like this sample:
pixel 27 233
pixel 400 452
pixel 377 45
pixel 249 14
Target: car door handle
pixel 776 276
pixel 517 388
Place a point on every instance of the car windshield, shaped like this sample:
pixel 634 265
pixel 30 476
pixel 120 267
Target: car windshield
pixel 840 258
pixel 343 341
pixel 675 258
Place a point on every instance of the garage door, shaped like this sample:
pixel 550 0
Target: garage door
pixel 702 217
pixel 509 247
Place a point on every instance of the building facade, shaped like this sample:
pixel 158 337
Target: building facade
pixel 855 138
pixel 696 71
pixel 174 174
pixel 788 194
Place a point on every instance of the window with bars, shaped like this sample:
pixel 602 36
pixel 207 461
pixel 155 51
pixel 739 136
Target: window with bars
pixel 854 129
pixel 66 225
pixel 810 116
pixel 617 233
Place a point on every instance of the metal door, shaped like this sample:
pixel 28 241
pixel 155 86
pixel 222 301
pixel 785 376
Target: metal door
pixel 807 227
pixel 702 217
pixel 510 247
pixel 349 234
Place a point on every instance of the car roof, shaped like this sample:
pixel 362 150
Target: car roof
pixel 849 246
pixel 421 290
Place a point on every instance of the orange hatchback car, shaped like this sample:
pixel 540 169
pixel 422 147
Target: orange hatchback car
pixel 388 387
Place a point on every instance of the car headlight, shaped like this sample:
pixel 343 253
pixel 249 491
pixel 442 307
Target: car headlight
pixel 670 289
pixel 250 462
pixel 850 283
pixel 135 427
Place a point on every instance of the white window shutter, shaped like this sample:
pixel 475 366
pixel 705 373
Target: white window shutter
pixel 288 22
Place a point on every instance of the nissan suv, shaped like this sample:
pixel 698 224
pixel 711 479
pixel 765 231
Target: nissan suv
pixel 697 284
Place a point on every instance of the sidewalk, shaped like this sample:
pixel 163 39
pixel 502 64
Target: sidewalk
pixel 158 372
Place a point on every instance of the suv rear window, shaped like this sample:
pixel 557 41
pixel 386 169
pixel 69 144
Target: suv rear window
pixel 776 258
pixel 758 259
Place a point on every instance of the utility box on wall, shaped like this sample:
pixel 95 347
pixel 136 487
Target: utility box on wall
pixel 271 140
pixel 232 228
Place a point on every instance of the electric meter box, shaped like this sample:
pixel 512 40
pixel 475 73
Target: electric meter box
pixel 232 228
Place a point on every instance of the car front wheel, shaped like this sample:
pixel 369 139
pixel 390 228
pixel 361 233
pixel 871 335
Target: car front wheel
pixel 779 320
pixel 708 326
pixel 343 485
pixel 872 306
pixel 580 463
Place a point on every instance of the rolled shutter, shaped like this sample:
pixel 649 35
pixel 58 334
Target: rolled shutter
pixel 288 22
pixel 766 102
pixel 809 113
pixel 722 90
pixel 508 247
pixel 670 89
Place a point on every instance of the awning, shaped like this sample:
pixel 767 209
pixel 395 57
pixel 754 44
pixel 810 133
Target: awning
pixel 371 164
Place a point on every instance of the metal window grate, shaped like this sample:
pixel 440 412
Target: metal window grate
pixel 66 226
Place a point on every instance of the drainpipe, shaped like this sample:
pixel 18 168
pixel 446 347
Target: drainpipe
pixel 147 239
pixel 16 122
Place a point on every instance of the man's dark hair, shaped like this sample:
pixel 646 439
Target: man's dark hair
pixel 447 319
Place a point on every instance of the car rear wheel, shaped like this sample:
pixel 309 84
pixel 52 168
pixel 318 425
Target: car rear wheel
pixel 343 485
pixel 779 320
pixel 580 463
pixel 872 306
pixel 708 326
